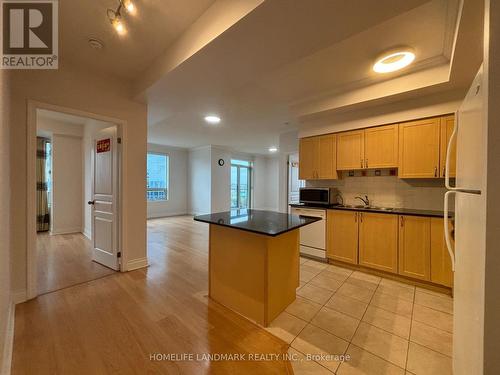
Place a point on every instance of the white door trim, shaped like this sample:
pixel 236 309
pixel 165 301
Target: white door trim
pixel 31 262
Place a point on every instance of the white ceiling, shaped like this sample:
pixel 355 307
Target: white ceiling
pixel 266 66
pixel 285 53
pixel 156 25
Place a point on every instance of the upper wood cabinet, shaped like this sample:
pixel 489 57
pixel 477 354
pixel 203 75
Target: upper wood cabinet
pixel 350 150
pixel 308 158
pixel 447 125
pixel 375 147
pixel 415 247
pixel 419 152
pixel 376 250
pixel 441 272
pixel 381 147
pixel 317 157
pixel 342 236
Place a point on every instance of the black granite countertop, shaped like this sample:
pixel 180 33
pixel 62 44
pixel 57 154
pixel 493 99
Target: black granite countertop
pixel 269 223
pixel 394 211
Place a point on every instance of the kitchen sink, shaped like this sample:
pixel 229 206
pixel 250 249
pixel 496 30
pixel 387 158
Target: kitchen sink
pixel 367 207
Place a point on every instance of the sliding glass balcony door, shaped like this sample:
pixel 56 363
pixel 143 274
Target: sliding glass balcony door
pixel 241 183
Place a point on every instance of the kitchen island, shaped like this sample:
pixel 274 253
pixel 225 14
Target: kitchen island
pixel 254 261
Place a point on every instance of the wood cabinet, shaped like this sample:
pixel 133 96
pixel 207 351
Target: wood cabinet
pixel 342 236
pixel 378 241
pixel 317 157
pixel 441 272
pixel 381 147
pixel 350 150
pixel 415 246
pixel 419 151
pixel 327 150
pixel 447 125
pixel 308 158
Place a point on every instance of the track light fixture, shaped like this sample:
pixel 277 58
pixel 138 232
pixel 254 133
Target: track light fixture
pixel 115 16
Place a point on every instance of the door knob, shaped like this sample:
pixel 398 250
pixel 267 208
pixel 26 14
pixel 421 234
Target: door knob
pixel 91 202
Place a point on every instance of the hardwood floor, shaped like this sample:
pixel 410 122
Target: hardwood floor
pixel 114 324
pixel 65 260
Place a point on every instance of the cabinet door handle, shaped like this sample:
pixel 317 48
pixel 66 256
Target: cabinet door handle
pixel 360 217
pixel 444 171
pixel 355 217
pixel 435 171
pixel 361 163
pixel 366 163
pixel 402 221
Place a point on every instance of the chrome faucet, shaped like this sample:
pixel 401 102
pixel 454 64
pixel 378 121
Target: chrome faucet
pixel 366 201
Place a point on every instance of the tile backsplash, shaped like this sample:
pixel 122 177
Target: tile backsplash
pixel 388 191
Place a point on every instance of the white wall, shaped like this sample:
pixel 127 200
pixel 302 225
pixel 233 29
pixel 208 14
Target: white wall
pixel 199 181
pixel 67 184
pixel 220 180
pixel 6 308
pixel 289 144
pixel 177 203
pixel 265 183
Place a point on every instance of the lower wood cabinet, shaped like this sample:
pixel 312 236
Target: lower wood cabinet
pixel 415 247
pixel 441 272
pixel 378 241
pixel 342 238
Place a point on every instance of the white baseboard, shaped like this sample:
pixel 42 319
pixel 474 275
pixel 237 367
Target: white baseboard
pixel 86 234
pixel 136 264
pixel 66 231
pixel 19 296
pixel 168 214
pixel 6 360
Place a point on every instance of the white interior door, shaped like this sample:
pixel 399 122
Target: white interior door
pixel 104 201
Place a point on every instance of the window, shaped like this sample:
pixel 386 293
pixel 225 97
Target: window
pixel 241 183
pixel 157 177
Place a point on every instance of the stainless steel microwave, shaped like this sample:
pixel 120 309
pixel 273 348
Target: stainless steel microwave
pixel 320 196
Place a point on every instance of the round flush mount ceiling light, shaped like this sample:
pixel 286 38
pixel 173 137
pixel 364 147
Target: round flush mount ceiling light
pixel 394 60
pixel 273 149
pixel 212 119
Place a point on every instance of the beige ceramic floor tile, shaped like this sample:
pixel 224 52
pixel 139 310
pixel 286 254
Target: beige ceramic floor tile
pixel 393 323
pixel 286 327
pixel 393 304
pixel 303 308
pixel 302 366
pixel 356 292
pixel 341 325
pixel 362 283
pixel 431 337
pixel 437 302
pixel 315 264
pixel 316 341
pixel 315 293
pixel 347 305
pixel 390 347
pixel 364 363
pixel 303 260
pixel 366 276
pixel 423 361
pixel 306 276
pixel 433 292
pixel 433 318
pixel 324 280
pixel 337 272
pixel 397 289
pixel 308 268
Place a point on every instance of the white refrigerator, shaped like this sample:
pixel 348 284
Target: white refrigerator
pixel 468 250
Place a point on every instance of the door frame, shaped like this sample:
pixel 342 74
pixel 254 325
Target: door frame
pixel 31 234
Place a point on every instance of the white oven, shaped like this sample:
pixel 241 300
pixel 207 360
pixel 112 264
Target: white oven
pixel 313 236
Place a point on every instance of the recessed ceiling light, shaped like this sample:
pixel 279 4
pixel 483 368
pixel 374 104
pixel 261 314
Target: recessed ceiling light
pixel 394 60
pixel 273 149
pixel 212 119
